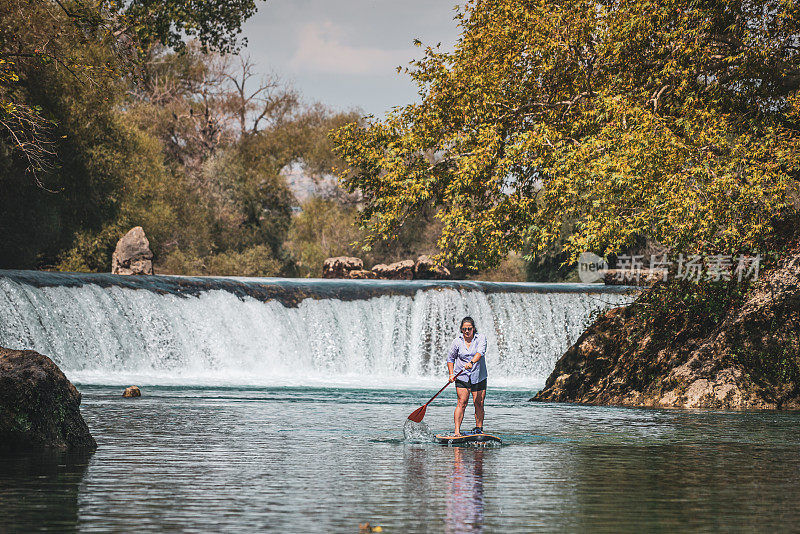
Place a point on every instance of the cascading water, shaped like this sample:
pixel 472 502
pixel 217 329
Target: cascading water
pixel 106 329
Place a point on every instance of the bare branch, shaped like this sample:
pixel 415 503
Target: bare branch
pixel 656 98
pixel 267 100
pixel 29 135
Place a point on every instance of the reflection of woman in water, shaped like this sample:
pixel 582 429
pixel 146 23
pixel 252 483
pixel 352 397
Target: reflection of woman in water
pixel 467 352
pixel 464 508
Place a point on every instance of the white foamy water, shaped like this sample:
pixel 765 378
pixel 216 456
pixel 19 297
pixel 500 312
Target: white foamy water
pixel 121 335
pixel 416 432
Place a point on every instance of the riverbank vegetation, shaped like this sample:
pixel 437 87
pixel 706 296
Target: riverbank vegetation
pixel 115 115
pixel 572 126
pixel 549 130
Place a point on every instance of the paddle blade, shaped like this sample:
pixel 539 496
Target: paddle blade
pixel 418 414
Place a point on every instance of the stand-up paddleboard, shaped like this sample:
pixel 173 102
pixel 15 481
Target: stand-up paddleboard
pixel 464 439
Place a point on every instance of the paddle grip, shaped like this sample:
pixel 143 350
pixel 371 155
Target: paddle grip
pixel 443 387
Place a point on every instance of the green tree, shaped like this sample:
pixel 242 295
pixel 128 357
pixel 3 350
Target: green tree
pixel 232 134
pixel 75 173
pixel 61 34
pixel 593 123
pixel 254 203
pixel 216 24
pixel 322 230
pixel 98 167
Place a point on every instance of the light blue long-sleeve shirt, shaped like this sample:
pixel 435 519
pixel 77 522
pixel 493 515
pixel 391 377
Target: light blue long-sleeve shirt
pixel 461 354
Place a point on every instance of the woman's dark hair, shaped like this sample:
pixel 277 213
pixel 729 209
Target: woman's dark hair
pixel 471 321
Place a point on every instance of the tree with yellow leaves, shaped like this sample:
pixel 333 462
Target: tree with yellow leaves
pixel 593 124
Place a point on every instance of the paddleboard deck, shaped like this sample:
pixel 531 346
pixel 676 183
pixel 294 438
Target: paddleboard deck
pixel 446 439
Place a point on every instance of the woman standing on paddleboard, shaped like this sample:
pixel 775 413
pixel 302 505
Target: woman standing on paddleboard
pixel 467 352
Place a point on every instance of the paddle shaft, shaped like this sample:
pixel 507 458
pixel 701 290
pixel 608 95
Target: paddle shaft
pixel 443 387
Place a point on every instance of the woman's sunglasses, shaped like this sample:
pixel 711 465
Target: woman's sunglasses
pixel 467 329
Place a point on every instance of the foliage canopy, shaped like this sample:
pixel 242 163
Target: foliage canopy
pixel 95 43
pixel 191 144
pixel 593 124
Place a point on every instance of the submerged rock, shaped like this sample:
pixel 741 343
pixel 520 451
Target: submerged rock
pixel 39 407
pixel 339 267
pixel 133 254
pixel 132 391
pixel 749 360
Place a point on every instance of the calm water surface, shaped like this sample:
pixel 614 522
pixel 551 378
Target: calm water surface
pixel 316 460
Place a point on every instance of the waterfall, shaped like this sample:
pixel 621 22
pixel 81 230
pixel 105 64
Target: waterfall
pixel 105 329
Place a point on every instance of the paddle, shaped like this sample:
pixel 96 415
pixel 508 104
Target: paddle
pixel 419 413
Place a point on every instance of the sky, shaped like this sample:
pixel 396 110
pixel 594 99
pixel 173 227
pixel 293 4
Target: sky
pixel 345 53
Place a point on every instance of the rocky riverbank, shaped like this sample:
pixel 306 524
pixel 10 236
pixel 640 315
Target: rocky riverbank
pixel 748 358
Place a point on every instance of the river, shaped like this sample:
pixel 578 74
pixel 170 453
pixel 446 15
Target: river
pixel 311 459
pixel 279 405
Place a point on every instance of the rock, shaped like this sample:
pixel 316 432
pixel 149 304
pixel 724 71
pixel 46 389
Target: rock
pixel 339 267
pixel 132 391
pixel 361 274
pixel 746 360
pixel 379 269
pixel 39 407
pixel 401 270
pixel 133 254
pixel 426 269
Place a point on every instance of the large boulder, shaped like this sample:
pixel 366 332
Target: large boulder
pixel 400 270
pixel 747 360
pixel 133 254
pixel 39 407
pixel 426 269
pixel 341 266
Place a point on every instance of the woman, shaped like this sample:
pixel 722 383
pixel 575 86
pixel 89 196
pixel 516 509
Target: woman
pixel 467 352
